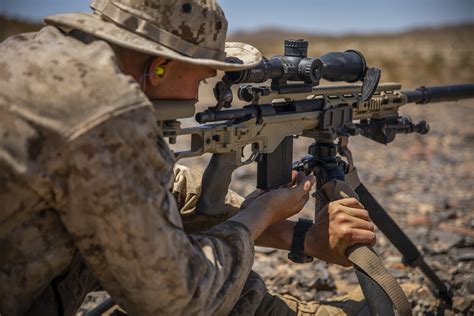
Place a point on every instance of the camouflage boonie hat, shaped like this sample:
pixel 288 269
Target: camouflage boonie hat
pixel 192 31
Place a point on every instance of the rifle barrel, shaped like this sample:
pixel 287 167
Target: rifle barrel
pixel 454 92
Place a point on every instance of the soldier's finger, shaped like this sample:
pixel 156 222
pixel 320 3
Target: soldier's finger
pixel 356 212
pixel 300 177
pixel 309 182
pixel 305 183
pixel 351 202
pixel 296 178
pixel 358 223
pixel 362 236
pixel 299 181
pixel 294 174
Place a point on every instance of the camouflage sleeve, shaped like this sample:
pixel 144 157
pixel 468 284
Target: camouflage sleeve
pixel 187 191
pixel 124 219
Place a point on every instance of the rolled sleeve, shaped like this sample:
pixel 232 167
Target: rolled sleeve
pixel 125 222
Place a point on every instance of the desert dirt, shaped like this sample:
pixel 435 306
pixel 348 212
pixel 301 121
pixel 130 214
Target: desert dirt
pixel 424 181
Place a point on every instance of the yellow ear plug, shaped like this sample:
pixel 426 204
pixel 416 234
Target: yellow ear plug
pixel 159 71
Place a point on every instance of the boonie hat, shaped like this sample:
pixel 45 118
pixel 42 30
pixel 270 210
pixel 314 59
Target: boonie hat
pixel 192 31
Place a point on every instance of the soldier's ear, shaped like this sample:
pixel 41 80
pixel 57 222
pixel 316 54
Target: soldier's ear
pixel 157 70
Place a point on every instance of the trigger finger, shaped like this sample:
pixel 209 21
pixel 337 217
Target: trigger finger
pixel 298 179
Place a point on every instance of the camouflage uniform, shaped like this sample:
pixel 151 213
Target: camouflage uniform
pixel 86 202
pixel 80 171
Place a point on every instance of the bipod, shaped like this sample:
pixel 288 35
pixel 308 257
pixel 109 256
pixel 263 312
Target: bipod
pixel 411 255
pixel 323 161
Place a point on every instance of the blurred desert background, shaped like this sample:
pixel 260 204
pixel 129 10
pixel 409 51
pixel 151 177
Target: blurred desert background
pixel 425 182
pixel 425 55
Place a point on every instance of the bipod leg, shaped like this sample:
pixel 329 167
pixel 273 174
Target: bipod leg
pixel 411 255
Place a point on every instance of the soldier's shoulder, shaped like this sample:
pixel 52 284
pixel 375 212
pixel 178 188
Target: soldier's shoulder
pixel 65 84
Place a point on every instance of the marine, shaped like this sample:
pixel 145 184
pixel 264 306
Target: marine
pixel 90 195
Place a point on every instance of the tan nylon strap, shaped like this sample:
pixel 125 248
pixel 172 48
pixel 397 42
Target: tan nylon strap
pixel 365 257
pixel 367 260
pixel 110 11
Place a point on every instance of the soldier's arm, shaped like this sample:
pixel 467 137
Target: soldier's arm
pixel 125 222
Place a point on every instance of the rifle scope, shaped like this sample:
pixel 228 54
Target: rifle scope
pixel 348 66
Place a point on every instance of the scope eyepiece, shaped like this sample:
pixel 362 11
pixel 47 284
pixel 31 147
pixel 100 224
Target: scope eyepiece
pixel 348 66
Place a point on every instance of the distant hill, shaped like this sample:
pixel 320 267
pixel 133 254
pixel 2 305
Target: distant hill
pixel 277 33
pixel 425 55
pixel 264 39
pixel 10 26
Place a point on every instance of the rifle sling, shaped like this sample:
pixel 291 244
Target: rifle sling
pixel 368 261
pixel 365 258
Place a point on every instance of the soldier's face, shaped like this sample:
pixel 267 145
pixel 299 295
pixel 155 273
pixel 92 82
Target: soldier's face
pixel 179 82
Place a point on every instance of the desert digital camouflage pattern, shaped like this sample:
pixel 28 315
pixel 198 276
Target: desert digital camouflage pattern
pixel 188 30
pixel 82 178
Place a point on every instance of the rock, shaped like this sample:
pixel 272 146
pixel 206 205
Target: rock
pixel 463 304
pixel 419 219
pixel 423 300
pixel 425 208
pixel 418 234
pixel 468 242
pixel 458 228
pixel 444 240
pixel 265 250
pixel 397 273
pixel 447 214
pixel 390 260
pixel 350 277
pixel 381 240
pixel 464 254
pixel 468 285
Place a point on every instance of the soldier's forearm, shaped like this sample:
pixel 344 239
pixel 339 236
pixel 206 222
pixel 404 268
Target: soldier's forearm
pixel 278 236
pixel 256 220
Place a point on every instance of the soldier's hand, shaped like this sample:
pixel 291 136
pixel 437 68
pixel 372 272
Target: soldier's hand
pixel 339 225
pixel 283 202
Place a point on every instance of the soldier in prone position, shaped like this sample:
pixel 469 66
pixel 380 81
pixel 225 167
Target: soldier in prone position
pixel 88 196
